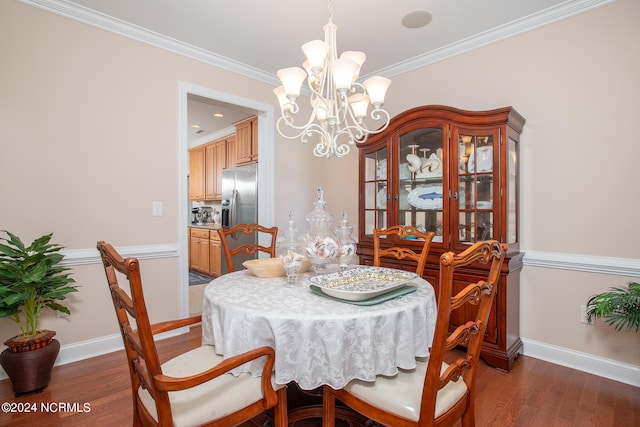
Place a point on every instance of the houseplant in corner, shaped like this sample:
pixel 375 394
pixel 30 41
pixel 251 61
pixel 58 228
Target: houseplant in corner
pixel 619 307
pixel 31 279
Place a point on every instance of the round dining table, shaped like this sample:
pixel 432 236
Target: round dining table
pixel 317 340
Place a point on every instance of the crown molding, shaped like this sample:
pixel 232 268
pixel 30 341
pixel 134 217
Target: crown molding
pixel 548 16
pixel 117 26
pixel 519 26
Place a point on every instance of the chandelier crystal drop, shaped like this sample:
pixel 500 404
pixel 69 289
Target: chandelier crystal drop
pixel 339 102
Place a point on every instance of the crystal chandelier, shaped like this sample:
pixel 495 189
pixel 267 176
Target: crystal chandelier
pixel 340 103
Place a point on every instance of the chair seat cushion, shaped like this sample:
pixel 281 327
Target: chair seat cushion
pixel 209 401
pixel 401 394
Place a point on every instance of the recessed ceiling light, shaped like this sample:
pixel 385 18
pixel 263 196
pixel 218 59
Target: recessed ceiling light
pixel 195 126
pixel 417 19
pixel 218 115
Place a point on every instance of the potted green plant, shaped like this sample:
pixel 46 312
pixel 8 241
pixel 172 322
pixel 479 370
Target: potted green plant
pixel 619 307
pixel 31 279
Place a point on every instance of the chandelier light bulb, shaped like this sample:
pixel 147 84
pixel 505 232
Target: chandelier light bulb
pixel 282 98
pixel 359 105
pixel 377 88
pixel 292 79
pixel 357 57
pixel 316 52
pixel 343 70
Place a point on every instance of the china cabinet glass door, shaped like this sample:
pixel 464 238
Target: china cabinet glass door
pixel 475 189
pixel 421 183
pixel 376 192
pixel 512 192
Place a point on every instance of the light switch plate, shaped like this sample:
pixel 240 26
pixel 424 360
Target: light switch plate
pixel 156 208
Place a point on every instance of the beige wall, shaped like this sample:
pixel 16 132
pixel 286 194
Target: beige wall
pixel 89 134
pixel 576 83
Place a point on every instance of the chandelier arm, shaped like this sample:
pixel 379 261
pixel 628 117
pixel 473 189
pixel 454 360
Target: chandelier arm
pixel 343 113
pixel 378 114
pixel 324 149
pixel 288 119
pixel 303 129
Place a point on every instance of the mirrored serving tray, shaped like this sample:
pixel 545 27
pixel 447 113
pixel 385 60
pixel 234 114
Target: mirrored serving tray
pixel 362 283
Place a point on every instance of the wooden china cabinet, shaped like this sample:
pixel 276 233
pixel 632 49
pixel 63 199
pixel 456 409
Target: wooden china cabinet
pixel 455 173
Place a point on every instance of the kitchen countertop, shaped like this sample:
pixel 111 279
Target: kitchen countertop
pixel 206 225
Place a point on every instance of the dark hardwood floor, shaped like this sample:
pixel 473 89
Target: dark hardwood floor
pixel 534 393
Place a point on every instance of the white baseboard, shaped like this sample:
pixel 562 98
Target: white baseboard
pixel 96 347
pixel 607 368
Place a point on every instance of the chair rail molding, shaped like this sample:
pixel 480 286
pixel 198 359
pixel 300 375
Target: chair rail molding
pixel 584 263
pixel 558 260
pixel 92 256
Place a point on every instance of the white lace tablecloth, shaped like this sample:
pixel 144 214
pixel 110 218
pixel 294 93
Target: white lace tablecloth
pixel 317 340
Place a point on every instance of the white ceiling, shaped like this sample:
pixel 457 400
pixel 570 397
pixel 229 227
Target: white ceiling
pixel 258 37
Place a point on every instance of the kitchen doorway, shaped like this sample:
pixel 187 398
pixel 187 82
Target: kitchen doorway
pixel 266 168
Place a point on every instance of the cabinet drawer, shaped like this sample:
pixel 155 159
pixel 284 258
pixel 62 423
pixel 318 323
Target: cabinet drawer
pixel 213 235
pixel 200 233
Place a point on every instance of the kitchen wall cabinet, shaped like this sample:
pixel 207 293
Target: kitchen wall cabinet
pixel 230 153
pixel 216 155
pixel 205 169
pixel 197 173
pixel 455 173
pixel 246 147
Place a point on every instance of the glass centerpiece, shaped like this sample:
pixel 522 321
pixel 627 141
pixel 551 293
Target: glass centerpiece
pixel 320 240
pixel 291 252
pixel 346 243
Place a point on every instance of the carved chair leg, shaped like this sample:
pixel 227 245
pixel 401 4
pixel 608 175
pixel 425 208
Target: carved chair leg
pixel 328 408
pixel 468 417
pixel 280 411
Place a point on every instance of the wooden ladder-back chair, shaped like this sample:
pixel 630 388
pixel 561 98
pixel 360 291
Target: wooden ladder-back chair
pixel 193 388
pixel 434 393
pixel 404 232
pixel 235 232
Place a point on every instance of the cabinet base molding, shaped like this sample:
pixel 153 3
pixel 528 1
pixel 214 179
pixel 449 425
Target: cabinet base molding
pixel 502 360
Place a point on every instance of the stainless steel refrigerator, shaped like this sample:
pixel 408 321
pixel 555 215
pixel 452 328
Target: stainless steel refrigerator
pixel 239 206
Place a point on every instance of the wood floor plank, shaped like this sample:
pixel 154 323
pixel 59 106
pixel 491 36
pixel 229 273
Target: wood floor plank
pixel 534 394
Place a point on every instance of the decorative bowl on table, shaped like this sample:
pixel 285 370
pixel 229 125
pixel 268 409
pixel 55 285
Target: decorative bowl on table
pixel 362 283
pixel 271 267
